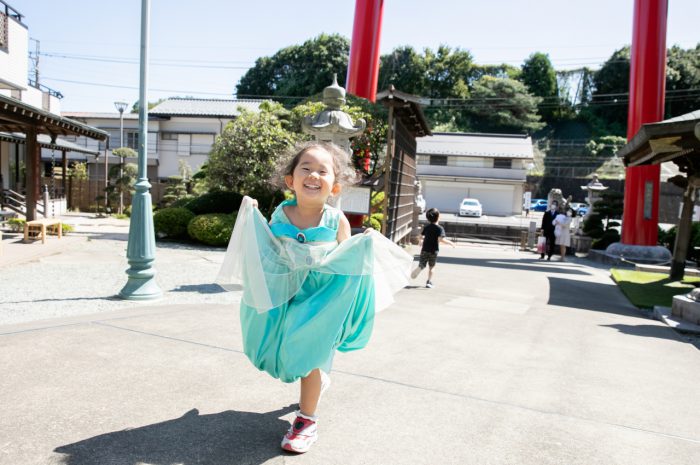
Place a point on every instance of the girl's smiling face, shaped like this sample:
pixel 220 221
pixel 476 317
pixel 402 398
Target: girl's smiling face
pixel 313 179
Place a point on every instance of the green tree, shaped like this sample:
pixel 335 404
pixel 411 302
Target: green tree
pixel 541 80
pixel 245 155
pixel 405 69
pixel 609 100
pixel 299 70
pixel 504 105
pixel 682 81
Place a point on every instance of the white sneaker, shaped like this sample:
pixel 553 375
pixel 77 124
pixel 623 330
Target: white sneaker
pixel 429 285
pixel 301 435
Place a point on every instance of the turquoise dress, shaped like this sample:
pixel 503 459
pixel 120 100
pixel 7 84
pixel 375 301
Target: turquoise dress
pixel 304 295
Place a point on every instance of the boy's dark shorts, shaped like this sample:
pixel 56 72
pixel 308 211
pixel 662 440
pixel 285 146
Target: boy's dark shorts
pixel 427 257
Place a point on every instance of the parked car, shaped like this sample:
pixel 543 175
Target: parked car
pixel 538 205
pixel 581 208
pixel 420 202
pixel 470 207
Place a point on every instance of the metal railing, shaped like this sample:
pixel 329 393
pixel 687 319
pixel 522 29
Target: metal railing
pixel 11 12
pixel 14 201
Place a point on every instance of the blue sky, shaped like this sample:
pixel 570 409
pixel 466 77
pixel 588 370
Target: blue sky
pixel 202 48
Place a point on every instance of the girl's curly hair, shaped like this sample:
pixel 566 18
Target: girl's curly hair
pixel 344 172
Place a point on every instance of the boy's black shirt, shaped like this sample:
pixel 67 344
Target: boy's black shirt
pixel 432 232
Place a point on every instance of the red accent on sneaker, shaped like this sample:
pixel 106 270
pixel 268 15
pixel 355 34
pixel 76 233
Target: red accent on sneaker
pixel 301 435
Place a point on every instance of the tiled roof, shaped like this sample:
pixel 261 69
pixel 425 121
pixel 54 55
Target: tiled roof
pixel 203 107
pixel 45 141
pixel 476 145
pixel 97 115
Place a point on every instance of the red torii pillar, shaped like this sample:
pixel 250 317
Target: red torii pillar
pixel 363 67
pixel 646 105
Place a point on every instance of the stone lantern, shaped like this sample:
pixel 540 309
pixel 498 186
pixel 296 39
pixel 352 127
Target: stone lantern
pixel 594 189
pixel 332 124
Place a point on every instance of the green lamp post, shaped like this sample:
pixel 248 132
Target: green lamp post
pixel 140 252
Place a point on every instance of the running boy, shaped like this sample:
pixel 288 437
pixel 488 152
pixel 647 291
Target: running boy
pixel 433 234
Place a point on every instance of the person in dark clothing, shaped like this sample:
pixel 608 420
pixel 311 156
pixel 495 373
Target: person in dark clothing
pixel 548 229
pixel 433 234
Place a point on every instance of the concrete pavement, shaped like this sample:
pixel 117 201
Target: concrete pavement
pixel 508 360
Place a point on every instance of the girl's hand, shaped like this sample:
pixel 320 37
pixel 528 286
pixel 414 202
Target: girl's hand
pixel 254 203
pixel 368 230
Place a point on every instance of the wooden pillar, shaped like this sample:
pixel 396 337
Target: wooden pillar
pixel 33 179
pixel 680 248
pixel 64 165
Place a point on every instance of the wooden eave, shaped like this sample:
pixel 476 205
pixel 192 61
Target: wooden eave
pixel 407 108
pixel 657 143
pixel 17 116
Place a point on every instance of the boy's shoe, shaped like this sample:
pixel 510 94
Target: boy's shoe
pixel 429 285
pixel 301 435
pixel 416 272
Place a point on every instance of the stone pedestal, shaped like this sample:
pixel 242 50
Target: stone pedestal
pixel 686 309
pixel 647 254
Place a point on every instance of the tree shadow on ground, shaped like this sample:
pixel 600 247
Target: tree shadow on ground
pixel 661 332
pixel 514 264
pixel 228 437
pixel 586 295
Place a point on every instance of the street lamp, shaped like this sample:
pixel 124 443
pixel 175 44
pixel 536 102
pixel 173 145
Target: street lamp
pixel 121 106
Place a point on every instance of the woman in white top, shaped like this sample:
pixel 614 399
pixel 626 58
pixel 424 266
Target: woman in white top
pixel 562 231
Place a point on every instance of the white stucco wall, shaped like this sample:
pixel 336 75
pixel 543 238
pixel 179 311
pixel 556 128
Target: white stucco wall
pixel 499 199
pixel 13 63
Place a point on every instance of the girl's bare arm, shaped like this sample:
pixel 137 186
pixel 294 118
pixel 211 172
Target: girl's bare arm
pixel 344 231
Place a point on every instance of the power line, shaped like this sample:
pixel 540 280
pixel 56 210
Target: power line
pixel 116 86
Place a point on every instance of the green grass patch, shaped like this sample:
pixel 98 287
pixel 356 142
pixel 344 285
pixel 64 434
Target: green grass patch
pixel 645 289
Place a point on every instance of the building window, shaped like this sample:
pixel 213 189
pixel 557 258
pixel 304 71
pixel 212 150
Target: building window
pixel 504 163
pixel 439 160
pixel 132 140
pixel 168 135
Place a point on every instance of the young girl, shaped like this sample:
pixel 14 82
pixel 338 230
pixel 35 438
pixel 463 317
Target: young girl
pixel 309 288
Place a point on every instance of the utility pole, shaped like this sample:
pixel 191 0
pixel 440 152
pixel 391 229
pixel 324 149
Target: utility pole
pixel 35 60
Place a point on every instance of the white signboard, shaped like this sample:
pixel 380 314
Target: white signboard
pixel 355 200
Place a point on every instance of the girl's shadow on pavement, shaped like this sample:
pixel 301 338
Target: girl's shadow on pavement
pixel 228 437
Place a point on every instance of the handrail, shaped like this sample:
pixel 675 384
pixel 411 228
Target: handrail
pixel 12 13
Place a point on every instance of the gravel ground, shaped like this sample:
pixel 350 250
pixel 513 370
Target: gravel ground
pixel 87 275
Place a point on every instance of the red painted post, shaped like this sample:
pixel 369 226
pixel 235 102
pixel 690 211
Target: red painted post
pixel 363 67
pixel 646 105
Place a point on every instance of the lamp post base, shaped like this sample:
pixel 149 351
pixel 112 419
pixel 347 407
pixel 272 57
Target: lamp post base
pixel 141 248
pixel 141 287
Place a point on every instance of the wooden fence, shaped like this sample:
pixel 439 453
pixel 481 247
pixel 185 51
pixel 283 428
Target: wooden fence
pixel 82 194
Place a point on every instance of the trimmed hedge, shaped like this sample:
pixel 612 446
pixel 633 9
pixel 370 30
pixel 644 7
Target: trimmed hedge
pixel 212 228
pixel 172 222
pixel 215 202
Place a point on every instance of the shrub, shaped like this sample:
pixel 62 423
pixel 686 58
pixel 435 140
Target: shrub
pixel 182 202
pixel 172 222
pixel 16 224
pixel 215 202
pixel 668 239
pixel 374 221
pixel 608 237
pixel 212 228
pixel 593 226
